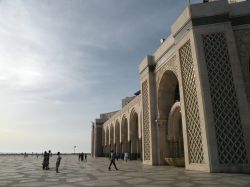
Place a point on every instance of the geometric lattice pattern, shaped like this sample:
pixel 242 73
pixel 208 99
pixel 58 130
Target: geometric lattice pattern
pixel 146 131
pixel 195 146
pixel 229 132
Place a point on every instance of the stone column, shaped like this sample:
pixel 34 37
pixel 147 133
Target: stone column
pixel 140 149
pixel 149 132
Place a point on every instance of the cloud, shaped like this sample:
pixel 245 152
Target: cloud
pixel 35 62
pixel 64 62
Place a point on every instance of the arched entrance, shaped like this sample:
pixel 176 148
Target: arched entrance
pixel 169 118
pixel 175 137
pixel 112 137
pixel 117 137
pixel 124 134
pixel 135 143
pixel 107 142
pixel 103 142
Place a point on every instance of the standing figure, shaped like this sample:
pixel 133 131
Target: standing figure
pixel 82 155
pixel 79 157
pixel 85 157
pixel 44 160
pixel 25 155
pixel 58 161
pixel 48 155
pixel 112 160
pixel 126 156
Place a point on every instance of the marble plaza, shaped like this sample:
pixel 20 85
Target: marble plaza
pixel 19 171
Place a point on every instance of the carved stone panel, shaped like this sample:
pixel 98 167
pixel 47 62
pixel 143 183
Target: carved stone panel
pixel 146 130
pixel 195 146
pixel 229 132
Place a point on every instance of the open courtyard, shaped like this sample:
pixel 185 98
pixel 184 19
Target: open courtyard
pixel 20 171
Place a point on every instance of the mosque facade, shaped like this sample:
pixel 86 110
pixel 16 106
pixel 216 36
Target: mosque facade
pixel 193 107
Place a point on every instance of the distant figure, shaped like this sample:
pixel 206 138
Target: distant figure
pixel 126 156
pixel 85 157
pixel 112 160
pixel 49 155
pixel 58 161
pixel 79 156
pixel 82 156
pixel 117 156
pixel 25 155
pixel 45 155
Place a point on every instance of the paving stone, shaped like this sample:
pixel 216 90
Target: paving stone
pixel 27 172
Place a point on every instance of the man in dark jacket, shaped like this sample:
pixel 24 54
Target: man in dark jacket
pixel 112 160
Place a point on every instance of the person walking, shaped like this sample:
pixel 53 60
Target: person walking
pixel 112 160
pixel 126 156
pixel 58 162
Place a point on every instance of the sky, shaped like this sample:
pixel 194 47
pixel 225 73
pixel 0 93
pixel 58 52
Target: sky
pixel 63 62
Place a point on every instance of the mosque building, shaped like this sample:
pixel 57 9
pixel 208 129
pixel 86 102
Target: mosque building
pixel 193 107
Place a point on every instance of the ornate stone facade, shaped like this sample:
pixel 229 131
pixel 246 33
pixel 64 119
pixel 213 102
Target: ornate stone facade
pixel 193 109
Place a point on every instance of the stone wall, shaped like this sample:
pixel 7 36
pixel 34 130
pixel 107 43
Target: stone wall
pixel 242 36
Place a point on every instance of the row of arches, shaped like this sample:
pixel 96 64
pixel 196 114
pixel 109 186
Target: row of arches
pixel 124 136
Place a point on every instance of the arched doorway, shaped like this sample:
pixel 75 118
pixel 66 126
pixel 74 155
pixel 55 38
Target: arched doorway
pixel 135 143
pixel 111 137
pixel 117 137
pixel 103 142
pixel 107 141
pixel 175 136
pixel 124 134
pixel 168 96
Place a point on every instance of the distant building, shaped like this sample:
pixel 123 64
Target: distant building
pixel 126 100
pixel 194 104
pixel 97 136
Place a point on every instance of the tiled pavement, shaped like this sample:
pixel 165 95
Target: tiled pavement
pixel 27 172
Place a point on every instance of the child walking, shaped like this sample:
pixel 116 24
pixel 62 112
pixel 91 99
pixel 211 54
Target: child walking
pixel 58 161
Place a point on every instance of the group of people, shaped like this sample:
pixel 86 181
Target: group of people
pixel 82 157
pixel 25 155
pixel 124 156
pixel 46 157
pixel 116 156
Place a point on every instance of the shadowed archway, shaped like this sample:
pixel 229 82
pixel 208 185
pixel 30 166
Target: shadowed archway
pixel 124 134
pixel 135 142
pixel 117 137
pixel 168 95
pixel 112 137
pixel 107 147
pixel 175 136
